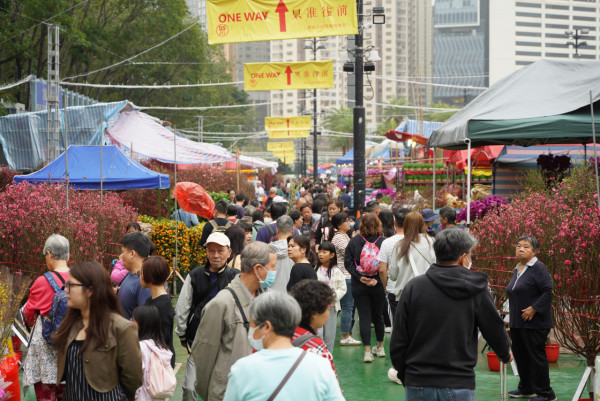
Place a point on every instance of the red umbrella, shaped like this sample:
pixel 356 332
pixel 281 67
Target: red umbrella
pixel 398 136
pixel 326 166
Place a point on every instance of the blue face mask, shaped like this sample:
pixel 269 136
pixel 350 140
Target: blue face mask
pixel 269 280
pixel 351 224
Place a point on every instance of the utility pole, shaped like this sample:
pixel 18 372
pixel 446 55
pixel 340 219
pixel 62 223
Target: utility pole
pixel 359 116
pixel 314 49
pixel 52 98
pixel 200 136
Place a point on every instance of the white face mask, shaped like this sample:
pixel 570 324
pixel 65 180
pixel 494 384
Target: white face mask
pixel 256 344
pixel 470 263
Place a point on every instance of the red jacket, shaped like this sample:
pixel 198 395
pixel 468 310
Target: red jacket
pixel 40 297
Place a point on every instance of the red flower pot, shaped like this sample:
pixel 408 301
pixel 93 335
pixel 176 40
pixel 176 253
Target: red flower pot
pixel 493 362
pixel 552 352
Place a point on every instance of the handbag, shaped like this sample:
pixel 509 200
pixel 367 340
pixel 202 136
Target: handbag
pixel 161 378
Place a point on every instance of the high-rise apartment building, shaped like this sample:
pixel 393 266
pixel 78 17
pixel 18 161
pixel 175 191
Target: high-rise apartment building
pixel 522 32
pixel 460 48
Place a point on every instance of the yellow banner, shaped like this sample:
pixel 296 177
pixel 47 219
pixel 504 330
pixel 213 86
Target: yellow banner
pixel 288 134
pixel 232 21
pixel 287 123
pixel 299 75
pixel 275 146
pixel 284 154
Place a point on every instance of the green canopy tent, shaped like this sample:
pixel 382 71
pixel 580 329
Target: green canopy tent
pixel 547 102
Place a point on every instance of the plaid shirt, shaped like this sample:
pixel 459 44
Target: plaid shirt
pixel 315 345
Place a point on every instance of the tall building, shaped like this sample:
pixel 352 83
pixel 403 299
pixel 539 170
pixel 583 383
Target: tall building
pixel 420 51
pixel 197 9
pixel 460 48
pixel 522 32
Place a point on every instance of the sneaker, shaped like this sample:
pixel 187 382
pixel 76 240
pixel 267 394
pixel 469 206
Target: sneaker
pixel 388 329
pixel 378 351
pixel 349 341
pixel 519 394
pixel 368 357
pixel 542 398
pixel 393 376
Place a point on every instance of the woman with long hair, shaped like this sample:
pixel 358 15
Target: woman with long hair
pixel 148 320
pixel 387 222
pixel 413 254
pixel 99 354
pixel 330 274
pixel 361 261
pixel 237 237
pixel 304 260
pixel 154 274
pixel 340 239
pixel 322 233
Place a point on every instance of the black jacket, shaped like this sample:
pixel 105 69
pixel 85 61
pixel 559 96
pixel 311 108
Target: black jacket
pixel 200 281
pixel 434 339
pixel 533 288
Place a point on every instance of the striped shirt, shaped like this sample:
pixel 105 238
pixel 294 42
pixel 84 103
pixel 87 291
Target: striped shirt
pixel 78 387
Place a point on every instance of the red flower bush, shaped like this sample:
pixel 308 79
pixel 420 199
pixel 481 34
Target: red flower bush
pixel 566 222
pixel 29 214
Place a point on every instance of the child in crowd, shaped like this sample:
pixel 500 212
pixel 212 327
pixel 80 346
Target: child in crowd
pixel 119 272
pixel 152 340
pixel 329 273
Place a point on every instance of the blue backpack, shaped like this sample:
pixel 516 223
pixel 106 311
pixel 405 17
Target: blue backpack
pixel 58 310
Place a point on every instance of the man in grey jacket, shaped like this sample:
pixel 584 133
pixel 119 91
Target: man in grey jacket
pixel 222 336
pixel 285 228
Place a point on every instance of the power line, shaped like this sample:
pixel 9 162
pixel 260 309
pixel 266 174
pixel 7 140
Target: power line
pixel 430 84
pixel 169 86
pixel 133 57
pixel 44 21
pixel 12 85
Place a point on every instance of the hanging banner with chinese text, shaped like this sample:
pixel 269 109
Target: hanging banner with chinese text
pixel 232 21
pixel 288 134
pixel 299 75
pixel 285 156
pixel 276 146
pixel 287 123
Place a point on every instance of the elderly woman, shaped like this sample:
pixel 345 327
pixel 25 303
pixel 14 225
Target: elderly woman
pixel 530 298
pixel 40 365
pixel 279 370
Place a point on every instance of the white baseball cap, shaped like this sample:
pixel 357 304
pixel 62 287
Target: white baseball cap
pixel 218 238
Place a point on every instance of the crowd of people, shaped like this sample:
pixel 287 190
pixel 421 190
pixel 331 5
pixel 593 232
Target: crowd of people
pixel 281 268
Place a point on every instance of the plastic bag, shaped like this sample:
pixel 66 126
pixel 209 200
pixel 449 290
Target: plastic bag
pixel 193 198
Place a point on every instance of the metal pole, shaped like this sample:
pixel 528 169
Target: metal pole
pixel 101 168
pixel 434 179
pixel 359 116
pixel 595 152
pixel 315 150
pixel 175 271
pixel 66 144
pixel 468 141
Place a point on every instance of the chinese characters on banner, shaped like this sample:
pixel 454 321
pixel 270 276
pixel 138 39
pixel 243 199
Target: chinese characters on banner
pixel 297 75
pixel 287 123
pixel 285 156
pixel 288 134
pixel 232 21
pixel 280 146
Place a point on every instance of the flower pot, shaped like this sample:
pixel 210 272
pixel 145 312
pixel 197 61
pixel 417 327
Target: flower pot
pixel 552 352
pixel 493 362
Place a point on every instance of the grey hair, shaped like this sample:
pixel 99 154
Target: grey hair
pixel 58 246
pixel 255 253
pixel 451 243
pixel 535 244
pixel 279 308
pixel 249 209
pixel 285 225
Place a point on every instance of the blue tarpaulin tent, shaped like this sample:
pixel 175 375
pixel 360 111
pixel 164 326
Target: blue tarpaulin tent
pixel 85 166
pixel 348 158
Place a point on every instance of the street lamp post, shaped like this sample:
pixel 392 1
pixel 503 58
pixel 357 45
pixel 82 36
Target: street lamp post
pixel 359 117
pixel 577 36
pixel 312 45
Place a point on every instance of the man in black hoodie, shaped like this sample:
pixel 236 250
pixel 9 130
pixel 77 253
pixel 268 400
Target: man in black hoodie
pixel 434 339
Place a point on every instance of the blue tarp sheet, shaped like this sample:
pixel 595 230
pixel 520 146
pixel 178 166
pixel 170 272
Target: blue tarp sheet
pixel 348 158
pixel 118 171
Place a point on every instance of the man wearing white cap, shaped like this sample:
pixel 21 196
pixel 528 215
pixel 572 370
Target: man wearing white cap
pixel 201 285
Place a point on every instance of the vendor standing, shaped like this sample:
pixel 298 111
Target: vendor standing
pixel 530 299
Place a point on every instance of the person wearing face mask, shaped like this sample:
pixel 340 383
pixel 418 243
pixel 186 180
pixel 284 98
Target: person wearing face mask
pixel 279 370
pixel 221 338
pixel 434 339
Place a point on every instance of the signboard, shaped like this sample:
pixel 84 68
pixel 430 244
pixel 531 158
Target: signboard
pixel 288 134
pixel 284 146
pixel 232 21
pixel 287 123
pixel 285 156
pixel 298 75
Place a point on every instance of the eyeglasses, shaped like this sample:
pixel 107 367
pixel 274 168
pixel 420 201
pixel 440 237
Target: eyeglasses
pixel 68 286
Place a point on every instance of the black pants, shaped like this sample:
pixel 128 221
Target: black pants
pixel 529 351
pixel 369 302
pixel 389 310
